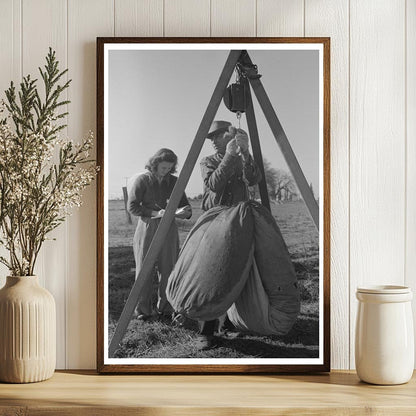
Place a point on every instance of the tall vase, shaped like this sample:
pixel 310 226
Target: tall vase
pixel 27 331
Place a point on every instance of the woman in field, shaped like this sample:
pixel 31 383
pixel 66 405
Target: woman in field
pixel 148 195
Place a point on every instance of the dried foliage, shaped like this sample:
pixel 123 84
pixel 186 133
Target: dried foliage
pixel 41 175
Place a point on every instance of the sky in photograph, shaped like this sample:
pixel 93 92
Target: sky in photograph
pixel 157 99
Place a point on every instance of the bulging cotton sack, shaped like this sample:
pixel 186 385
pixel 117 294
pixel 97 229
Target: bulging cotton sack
pixel 269 302
pixel 214 263
pixel 235 259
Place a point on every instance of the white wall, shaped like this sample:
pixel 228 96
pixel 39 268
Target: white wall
pixel 373 132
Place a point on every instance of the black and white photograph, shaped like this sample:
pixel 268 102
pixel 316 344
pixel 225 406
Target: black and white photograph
pixel 213 249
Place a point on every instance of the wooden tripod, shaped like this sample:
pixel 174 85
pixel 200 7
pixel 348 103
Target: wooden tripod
pixel 281 139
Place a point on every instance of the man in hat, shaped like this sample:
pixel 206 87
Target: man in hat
pixel 228 172
pixel 226 175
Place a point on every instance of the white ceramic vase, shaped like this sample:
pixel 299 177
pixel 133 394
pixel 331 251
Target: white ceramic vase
pixel 27 331
pixel 384 340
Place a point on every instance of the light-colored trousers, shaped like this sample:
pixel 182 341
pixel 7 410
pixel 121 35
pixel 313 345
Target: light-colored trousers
pixel 145 230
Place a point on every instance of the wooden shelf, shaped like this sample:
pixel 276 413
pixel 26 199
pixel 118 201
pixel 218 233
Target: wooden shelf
pixel 86 393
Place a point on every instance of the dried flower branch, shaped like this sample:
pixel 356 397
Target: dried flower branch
pixel 41 176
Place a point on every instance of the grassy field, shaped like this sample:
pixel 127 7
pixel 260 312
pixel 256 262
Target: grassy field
pixel 162 339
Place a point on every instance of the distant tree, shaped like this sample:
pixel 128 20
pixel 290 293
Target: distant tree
pixel 285 189
pixel 280 184
pixel 271 180
pixel 272 175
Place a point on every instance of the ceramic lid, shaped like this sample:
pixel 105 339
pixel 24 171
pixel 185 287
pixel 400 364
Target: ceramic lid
pixel 384 289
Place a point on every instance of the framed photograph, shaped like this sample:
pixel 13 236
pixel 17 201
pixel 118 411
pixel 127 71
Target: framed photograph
pixel 213 195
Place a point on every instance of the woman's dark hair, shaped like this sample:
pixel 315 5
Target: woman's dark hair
pixel 162 155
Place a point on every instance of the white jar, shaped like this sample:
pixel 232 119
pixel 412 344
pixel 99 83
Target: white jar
pixel 384 338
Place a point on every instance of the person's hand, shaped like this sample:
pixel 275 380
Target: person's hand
pixel 232 147
pixel 184 212
pixel 158 214
pixel 187 210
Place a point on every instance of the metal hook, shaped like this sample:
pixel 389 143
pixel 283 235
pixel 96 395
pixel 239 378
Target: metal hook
pixel 238 114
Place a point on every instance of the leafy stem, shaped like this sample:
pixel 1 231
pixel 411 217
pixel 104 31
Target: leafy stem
pixel 41 176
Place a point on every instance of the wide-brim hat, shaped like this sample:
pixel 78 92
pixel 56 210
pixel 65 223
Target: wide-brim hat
pixel 218 126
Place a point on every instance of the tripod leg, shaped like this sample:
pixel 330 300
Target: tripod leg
pixel 255 144
pixel 159 237
pixel 286 149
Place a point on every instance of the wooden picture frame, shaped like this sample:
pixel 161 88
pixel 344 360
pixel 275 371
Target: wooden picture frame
pixel 131 105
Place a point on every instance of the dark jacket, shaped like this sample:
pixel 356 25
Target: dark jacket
pixel 226 179
pixel 148 195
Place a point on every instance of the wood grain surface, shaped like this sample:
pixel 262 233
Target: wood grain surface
pixel 280 18
pixel 331 18
pixel 51 265
pixel 85 393
pixel 10 66
pixel 410 260
pixel 187 18
pixel 84 20
pixel 377 148
pixel 233 18
pixel 138 18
